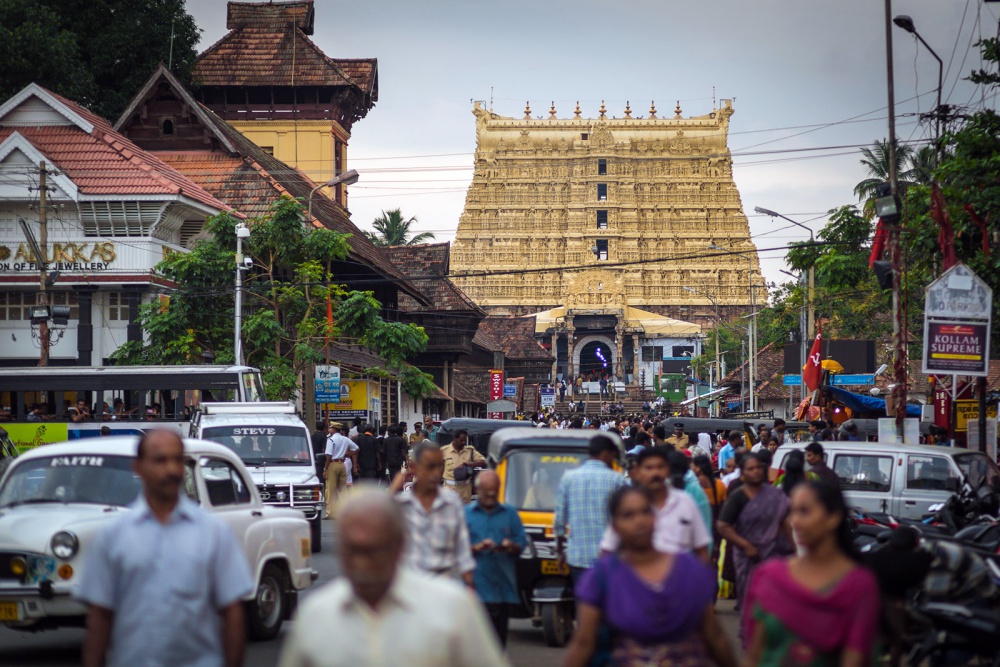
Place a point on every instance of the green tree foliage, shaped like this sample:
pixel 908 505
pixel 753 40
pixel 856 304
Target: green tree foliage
pixel 285 325
pixel 391 229
pixel 876 162
pixel 95 52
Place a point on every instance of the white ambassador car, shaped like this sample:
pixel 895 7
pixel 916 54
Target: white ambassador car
pixel 54 499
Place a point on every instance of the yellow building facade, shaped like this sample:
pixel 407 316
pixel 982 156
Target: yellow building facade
pixel 602 213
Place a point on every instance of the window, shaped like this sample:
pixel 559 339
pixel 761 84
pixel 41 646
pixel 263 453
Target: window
pixel 602 249
pixel 978 469
pixel 683 350
pixel 117 307
pixel 602 219
pixel 584 136
pixel 930 473
pixel 224 484
pixel 652 353
pixel 268 149
pixel 864 472
pixel 168 127
pixel 602 192
pixel 602 167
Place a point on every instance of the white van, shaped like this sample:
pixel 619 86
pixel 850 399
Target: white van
pixel 901 480
pixel 275 446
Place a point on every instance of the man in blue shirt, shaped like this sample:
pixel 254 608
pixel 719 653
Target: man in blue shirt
pixel 164 582
pixel 582 505
pixel 729 450
pixel 497 538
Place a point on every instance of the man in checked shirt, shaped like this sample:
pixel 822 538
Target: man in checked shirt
pixel 582 505
pixel 437 537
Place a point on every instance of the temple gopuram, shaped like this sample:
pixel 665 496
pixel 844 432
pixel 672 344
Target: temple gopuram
pixel 621 234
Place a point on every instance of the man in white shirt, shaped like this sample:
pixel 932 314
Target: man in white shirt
pixel 338 448
pixel 380 614
pixel 679 523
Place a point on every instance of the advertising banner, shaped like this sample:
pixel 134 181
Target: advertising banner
pixel 353 400
pixel 956 348
pixel 496 391
pixel 328 384
pixel 968 411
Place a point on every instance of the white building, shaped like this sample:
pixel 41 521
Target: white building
pixel 113 212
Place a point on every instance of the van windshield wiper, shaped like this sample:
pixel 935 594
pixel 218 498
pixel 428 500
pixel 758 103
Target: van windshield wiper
pixel 30 501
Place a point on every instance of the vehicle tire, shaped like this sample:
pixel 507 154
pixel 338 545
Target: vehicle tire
pixel 316 539
pixel 557 623
pixel 266 612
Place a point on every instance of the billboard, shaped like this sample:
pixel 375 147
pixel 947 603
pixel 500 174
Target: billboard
pixel 328 384
pixel 353 400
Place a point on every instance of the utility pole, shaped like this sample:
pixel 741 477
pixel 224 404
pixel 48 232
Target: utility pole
pixel 43 238
pixel 898 327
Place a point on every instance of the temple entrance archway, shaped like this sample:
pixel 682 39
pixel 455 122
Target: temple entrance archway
pixel 595 353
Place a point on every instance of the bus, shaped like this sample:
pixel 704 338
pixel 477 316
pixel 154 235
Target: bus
pixel 39 405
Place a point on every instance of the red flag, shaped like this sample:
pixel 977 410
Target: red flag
pixel 982 227
pixel 878 244
pixel 329 319
pixel 946 233
pixel 813 371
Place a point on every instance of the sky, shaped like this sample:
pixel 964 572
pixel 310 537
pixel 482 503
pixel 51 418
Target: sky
pixel 804 75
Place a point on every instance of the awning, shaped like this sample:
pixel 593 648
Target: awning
pixel 869 404
pixel 652 325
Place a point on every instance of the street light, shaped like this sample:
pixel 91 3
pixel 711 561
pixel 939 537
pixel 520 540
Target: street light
pixel 752 329
pixel 349 177
pixel 811 313
pixel 242 263
pixel 718 323
pixel 906 23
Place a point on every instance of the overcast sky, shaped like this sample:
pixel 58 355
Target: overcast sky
pixel 786 63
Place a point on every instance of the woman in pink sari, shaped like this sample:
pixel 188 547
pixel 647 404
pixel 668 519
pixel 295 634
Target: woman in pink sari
pixel 754 521
pixel 820 609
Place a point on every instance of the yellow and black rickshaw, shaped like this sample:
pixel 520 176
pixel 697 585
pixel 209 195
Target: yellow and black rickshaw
pixel 530 463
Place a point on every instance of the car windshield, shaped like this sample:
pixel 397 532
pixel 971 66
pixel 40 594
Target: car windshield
pixel 78 478
pixel 533 477
pixel 978 470
pixel 260 445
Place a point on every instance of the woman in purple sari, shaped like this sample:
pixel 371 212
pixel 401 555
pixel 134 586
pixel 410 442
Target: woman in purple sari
pixel 658 606
pixel 755 521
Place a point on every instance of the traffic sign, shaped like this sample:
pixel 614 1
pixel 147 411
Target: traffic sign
pixel 858 379
pixel 793 381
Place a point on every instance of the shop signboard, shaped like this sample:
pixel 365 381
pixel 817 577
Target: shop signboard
pixel 327 384
pixel 958 310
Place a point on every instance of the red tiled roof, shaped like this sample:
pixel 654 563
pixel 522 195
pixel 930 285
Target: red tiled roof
pixel 426 265
pixel 251 179
pixel 268 45
pixel 471 386
pixel 485 341
pixel 243 14
pixel 770 373
pixel 516 336
pixel 106 162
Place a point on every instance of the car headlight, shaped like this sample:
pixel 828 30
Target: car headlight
pixel 64 545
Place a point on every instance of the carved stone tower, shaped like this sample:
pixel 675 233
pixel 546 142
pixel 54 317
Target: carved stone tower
pixel 629 204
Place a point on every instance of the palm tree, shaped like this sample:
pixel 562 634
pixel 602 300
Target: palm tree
pixel 876 163
pixel 922 165
pixel 392 229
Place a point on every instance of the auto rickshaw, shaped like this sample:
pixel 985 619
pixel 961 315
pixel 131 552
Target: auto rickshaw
pixel 530 463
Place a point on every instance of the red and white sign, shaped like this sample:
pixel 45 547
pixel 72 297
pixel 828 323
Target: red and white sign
pixel 494 415
pixel 496 385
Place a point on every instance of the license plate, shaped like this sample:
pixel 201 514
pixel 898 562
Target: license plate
pixel 552 567
pixel 10 611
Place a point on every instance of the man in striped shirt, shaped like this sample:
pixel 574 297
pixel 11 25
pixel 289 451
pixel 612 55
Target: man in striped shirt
pixel 437 536
pixel 582 505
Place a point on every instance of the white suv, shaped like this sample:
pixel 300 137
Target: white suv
pixel 276 446
pixel 55 498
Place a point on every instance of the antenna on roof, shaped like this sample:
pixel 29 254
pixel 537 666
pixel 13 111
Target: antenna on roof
pixel 170 58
